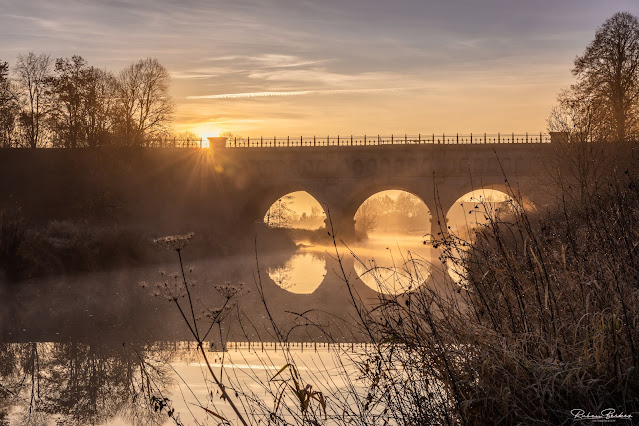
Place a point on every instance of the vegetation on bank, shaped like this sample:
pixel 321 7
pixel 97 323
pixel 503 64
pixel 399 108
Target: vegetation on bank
pixel 67 247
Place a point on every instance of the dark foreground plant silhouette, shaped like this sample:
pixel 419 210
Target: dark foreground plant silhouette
pixel 179 290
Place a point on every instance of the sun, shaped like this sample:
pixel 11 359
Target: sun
pixel 206 131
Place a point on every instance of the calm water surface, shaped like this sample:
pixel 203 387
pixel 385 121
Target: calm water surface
pixel 90 366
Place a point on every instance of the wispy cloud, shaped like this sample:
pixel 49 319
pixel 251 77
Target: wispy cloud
pixel 293 93
pixel 321 75
pixel 284 61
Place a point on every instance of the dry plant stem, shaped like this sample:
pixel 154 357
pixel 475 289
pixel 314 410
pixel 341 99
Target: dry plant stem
pixel 194 332
pixel 188 293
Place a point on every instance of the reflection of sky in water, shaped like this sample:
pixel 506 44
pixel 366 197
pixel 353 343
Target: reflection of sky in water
pixel 392 264
pixel 301 274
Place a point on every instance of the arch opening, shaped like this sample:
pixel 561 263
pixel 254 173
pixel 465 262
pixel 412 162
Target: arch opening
pixel 295 210
pixel 392 257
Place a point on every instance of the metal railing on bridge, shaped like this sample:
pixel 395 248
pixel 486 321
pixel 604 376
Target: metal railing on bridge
pixel 424 139
pixel 176 143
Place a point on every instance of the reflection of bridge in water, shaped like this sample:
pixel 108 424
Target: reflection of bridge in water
pixel 342 172
pixel 259 346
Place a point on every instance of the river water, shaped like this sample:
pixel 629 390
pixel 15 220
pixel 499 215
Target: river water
pixel 97 383
pixel 98 356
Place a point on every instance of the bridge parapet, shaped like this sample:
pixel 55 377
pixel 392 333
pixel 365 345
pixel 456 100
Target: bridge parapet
pixel 377 140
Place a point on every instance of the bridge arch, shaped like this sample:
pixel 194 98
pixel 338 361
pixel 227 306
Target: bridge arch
pixel 259 200
pixel 285 210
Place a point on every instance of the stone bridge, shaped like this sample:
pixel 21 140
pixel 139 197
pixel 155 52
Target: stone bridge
pixel 342 177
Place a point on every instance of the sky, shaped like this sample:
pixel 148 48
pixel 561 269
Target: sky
pixel 331 67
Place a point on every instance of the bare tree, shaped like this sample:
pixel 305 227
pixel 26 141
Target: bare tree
pixel 280 214
pixel 85 102
pixel 367 218
pixel 68 92
pixel 99 107
pixel 32 77
pixel 8 108
pixel 608 72
pixel 145 107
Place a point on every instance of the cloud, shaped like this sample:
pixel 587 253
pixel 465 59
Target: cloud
pixel 293 93
pixel 320 75
pixel 284 61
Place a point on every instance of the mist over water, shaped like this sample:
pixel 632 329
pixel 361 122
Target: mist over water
pixel 392 263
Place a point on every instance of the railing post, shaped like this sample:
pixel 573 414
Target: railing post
pixel 301 141
pixel 337 140
pixel 405 138
pixel 526 137
pixel 471 138
pixel 379 142
pixel 485 140
pixel 419 138
pixel 314 144
pixel 498 137
pixel 364 140
pixel 444 138
pixel 540 141
pixel 457 137
pixel 513 139
pixel 248 139
pixel 288 141
pixel 392 141
pixel 433 138
pixel 235 141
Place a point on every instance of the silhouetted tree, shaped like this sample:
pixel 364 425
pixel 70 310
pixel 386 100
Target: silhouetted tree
pixel 32 77
pixel 280 213
pixel 601 107
pixel 100 107
pixel 84 103
pixel 366 218
pixel 145 107
pixel 68 91
pixel 8 108
pixel 608 76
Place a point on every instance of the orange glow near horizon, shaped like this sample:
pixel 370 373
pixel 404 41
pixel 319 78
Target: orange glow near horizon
pixel 203 130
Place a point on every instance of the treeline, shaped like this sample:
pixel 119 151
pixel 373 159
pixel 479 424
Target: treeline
pixel 406 213
pixel 68 103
